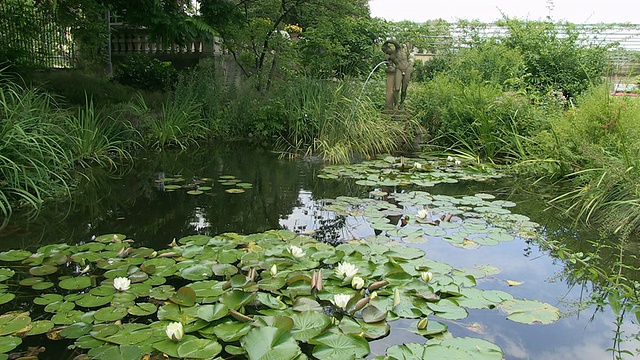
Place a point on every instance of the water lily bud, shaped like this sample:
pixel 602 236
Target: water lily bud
pixel 373 295
pixel 417 165
pixel 341 300
pixel 450 158
pixel 378 284
pixel 396 297
pixel 175 331
pixel 426 276
pixel 153 254
pixel 274 270
pixel 296 252
pixel 361 303
pixel 422 324
pixel 121 283
pixel 357 282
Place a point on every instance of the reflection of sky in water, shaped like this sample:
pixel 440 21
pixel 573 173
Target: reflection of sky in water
pixel 572 337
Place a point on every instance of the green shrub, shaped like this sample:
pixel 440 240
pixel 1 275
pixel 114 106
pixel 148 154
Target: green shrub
pixel 144 72
pixel 556 56
pixel 489 62
pixel 478 117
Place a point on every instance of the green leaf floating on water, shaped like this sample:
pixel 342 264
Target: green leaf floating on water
pixel 339 346
pixel 8 343
pixel 530 311
pixel 75 283
pixel 270 343
pixel 14 321
pixel 308 324
pixel 14 255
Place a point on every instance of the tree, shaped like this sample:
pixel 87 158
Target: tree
pixel 252 30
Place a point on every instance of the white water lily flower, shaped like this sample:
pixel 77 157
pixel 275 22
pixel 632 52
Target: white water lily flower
pixel 357 282
pixel 450 158
pixel 296 252
pixel 457 162
pixel 417 165
pixel 274 270
pixel 175 331
pixel 373 295
pixel 346 270
pixel 422 214
pixel 426 276
pixel 341 300
pixel 121 283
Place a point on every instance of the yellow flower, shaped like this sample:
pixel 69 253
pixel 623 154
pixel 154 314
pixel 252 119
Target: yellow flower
pixel 290 28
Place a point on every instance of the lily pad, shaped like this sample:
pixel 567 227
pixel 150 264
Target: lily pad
pixel 309 324
pixel 235 191
pixel 13 322
pixel 75 283
pixel 270 343
pixel 530 311
pixel 14 255
pixel 8 343
pixel 339 346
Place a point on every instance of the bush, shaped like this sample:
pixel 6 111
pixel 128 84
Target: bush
pixel 478 117
pixel 147 73
pixel 556 57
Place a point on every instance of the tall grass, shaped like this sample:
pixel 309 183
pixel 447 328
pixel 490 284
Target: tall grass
pixel 93 138
pixel 600 141
pixel 33 162
pixel 330 120
pixel 478 118
pixel 179 123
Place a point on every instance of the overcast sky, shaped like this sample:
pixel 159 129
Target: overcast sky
pixel 575 11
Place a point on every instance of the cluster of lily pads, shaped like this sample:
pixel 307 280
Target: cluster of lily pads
pixel 199 186
pixel 276 295
pixel 423 171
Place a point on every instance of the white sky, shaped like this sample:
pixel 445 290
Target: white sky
pixel 575 11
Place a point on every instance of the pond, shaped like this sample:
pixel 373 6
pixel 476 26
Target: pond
pixel 237 188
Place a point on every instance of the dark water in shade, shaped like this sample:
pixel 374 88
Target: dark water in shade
pixel 285 194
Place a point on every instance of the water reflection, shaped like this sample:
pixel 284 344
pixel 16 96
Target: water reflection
pixel 287 194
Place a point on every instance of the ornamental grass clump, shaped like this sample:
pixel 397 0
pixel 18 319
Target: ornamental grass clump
pixel 601 144
pixel 33 163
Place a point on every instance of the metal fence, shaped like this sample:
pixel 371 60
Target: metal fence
pixel 30 36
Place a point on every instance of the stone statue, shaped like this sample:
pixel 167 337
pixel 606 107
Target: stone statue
pixel 398 74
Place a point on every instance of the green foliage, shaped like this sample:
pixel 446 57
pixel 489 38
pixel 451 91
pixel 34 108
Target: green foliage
pixel 339 47
pixel 33 163
pixel 72 87
pixel 94 138
pixel 478 117
pixel 331 120
pixel 253 33
pixel 205 84
pixel 599 141
pixel 179 122
pixel 555 55
pixel 144 72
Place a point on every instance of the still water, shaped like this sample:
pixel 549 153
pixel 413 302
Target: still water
pixel 288 194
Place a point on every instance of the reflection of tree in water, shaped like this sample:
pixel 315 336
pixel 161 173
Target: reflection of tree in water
pixel 134 205
pixel 329 230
